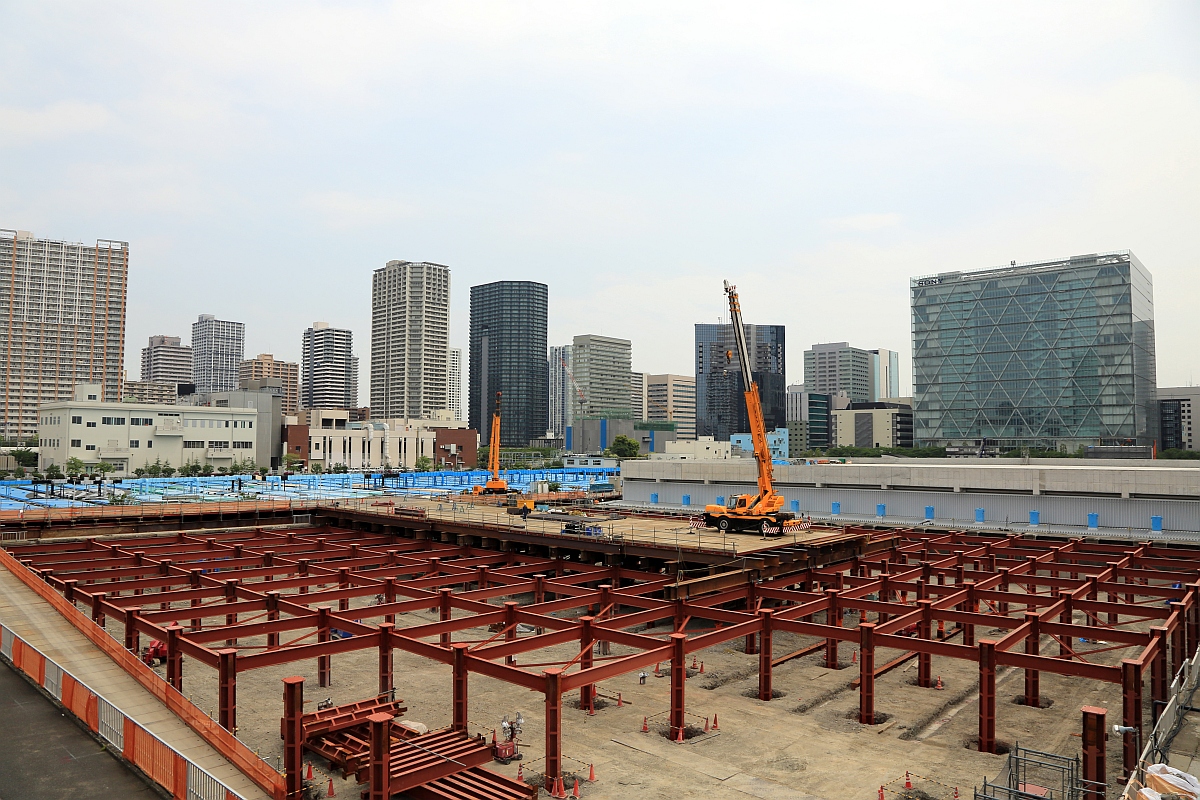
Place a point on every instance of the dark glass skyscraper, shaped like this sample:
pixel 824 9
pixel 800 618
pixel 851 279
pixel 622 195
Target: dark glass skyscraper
pixel 508 355
pixel 1053 355
pixel 720 396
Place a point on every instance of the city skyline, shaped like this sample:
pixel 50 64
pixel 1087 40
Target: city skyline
pixel 849 178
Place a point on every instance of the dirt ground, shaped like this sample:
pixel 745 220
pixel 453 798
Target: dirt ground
pixel 804 743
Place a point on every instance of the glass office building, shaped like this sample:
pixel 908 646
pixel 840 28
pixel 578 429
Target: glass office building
pixel 1051 355
pixel 720 395
pixel 508 354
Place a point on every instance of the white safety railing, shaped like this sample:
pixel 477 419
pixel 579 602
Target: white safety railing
pixel 1158 743
pixel 154 757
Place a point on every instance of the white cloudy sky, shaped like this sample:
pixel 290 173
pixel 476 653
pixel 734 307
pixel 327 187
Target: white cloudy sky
pixel 262 159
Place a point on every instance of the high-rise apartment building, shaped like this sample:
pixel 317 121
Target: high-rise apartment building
pixel 862 376
pixel 600 366
pixel 1051 354
pixel 62 322
pixel 672 398
pixel 508 354
pixel 559 368
pixel 720 396
pixel 265 366
pixel 808 419
pixel 329 368
pixel 455 397
pixel 637 395
pixel 165 360
pixel 410 340
pixel 218 346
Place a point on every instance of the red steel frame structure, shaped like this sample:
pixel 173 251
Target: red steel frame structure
pixel 924 595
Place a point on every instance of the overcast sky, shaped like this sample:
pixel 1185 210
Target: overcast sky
pixel 262 159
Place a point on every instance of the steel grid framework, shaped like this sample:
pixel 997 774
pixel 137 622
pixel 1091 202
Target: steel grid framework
pixel 925 595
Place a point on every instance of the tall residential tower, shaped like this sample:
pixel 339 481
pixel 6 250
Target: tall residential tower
pixel 329 368
pixel 165 360
pixel 410 340
pixel 218 346
pixel 62 322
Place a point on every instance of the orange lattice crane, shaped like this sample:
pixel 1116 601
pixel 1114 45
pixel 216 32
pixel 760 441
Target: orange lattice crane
pixel 759 512
pixel 495 484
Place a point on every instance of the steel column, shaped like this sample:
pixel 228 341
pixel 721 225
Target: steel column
pixel 174 657
pixel 98 615
pixel 293 737
pixel 833 616
pixel 587 692
pixel 510 628
pixel 1032 647
pixel 1158 673
pixel 386 683
pixel 1065 643
pixel 231 619
pixel 866 673
pixel 461 676
pixel 381 753
pixel 389 596
pixel 987 696
pixel 751 604
pixel 678 677
pixel 324 663
pixel 1095 764
pixel 1131 711
pixel 764 656
pixel 445 613
pixel 227 689
pixel 553 722
pixel 131 633
pixel 272 616
pixel 925 631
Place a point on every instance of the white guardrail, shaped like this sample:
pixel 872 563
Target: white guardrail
pixel 1158 743
pixel 163 764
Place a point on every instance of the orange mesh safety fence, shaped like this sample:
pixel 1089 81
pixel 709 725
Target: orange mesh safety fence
pixel 242 757
pixel 153 758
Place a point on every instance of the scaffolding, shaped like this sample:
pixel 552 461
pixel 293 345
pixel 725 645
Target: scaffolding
pixel 1035 775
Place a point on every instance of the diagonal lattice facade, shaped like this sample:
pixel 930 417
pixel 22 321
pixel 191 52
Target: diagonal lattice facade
pixel 1050 355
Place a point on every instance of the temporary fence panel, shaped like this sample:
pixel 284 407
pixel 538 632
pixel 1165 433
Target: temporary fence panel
pixel 159 761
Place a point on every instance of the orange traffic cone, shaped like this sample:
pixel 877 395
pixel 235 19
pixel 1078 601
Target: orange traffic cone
pixel 561 792
pixel 939 683
pixel 592 708
pixel 853 656
pixel 591 773
pixel 657 671
pixel 880 793
pixel 694 664
pixel 907 780
pixel 332 793
pixel 714 727
pixel 521 773
pixel 645 727
pixel 493 737
pixel 575 791
pixel 620 702
pixel 680 737
pixel 955 793
pixel 701 667
pixel 309 776
pixel 706 724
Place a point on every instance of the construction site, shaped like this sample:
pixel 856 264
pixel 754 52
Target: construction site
pixel 487 643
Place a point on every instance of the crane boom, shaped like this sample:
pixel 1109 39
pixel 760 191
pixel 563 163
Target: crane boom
pixel 761 511
pixel 495 484
pixel 758 427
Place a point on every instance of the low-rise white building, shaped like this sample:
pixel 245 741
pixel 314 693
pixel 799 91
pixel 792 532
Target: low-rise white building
pixel 129 436
pixel 705 448
pixel 335 440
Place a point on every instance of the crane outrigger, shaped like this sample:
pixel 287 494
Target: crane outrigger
pixel 760 512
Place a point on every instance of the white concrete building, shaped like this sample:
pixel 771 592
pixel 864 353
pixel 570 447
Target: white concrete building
pixel 600 366
pixel 410 339
pixel 218 347
pixel 561 390
pixel 62 321
pixel 672 398
pixel 132 435
pixel 703 449
pixel 333 440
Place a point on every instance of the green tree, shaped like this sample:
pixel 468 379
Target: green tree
pixel 4 474
pixel 155 470
pixel 75 466
pixel 423 463
pixel 24 456
pixel 53 472
pixel 104 467
pixel 624 447
pixel 316 469
pixel 206 470
pixel 291 462
pixel 19 472
pixel 554 486
pixel 140 472
pixel 167 469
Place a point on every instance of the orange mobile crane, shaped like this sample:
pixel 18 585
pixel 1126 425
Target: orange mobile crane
pixel 496 484
pixel 760 512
